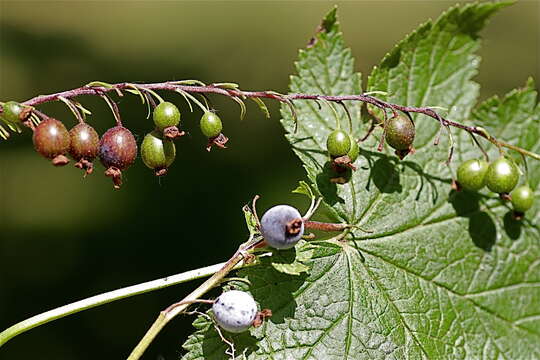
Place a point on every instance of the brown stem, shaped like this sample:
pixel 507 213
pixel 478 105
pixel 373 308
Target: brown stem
pixel 316 225
pixel 232 93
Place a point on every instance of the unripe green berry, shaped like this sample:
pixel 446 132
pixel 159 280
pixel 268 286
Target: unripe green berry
pixel 400 132
pixel 157 153
pixel 166 115
pixel 522 198
pixel 471 175
pixel 502 176
pixel 12 111
pixel 338 143
pixel 211 125
pixel 354 151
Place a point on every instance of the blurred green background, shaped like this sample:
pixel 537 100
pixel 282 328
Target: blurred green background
pixel 64 238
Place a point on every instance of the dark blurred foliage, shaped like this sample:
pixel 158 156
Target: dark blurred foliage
pixel 64 238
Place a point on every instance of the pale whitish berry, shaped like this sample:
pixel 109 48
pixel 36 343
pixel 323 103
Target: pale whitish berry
pixel 235 311
pixel 282 226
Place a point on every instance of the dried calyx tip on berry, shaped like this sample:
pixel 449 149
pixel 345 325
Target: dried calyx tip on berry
pixel 282 226
pixel 235 311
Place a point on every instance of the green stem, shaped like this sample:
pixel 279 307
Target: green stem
pixel 105 298
pixel 170 313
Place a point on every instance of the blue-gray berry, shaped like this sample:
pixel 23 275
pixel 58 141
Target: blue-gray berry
pixel 235 311
pixel 282 226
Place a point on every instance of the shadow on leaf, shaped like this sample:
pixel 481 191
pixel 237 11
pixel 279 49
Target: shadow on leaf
pixel 385 176
pixel 481 228
pixel 273 289
pixel 326 183
pixel 512 226
pixel 213 346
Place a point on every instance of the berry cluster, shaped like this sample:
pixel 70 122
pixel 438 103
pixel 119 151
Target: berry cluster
pixel 117 148
pixel 501 177
pixel 343 149
pixel 235 311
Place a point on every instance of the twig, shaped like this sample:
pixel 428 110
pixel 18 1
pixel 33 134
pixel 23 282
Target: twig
pixel 287 99
pixel 170 313
pixel 105 298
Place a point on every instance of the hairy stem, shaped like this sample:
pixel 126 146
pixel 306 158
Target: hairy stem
pixel 105 298
pixel 99 88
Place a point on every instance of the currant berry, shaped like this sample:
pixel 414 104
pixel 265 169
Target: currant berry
pixel 522 198
pixel 400 132
pixel 51 139
pixel 117 148
pixel 354 152
pixel 471 175
pixel 14 112
pixel 235 311
pixel 211 125
pixel 282 226
pixel 166 115
pixel 338 143
pixel 117 151
pixel 502 176
pixel 157 153
pixel 84 146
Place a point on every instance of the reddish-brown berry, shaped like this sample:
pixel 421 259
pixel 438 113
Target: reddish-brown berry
pixel 51 139
pixel 84 142
pixel 117 148
pixel 117 151
pixel 84 146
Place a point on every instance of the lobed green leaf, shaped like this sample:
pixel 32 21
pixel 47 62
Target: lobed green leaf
pixel 443 274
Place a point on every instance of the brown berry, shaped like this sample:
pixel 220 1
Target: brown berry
pixel 84 142
pixel 117 151
pixel 51 139
pixel 84 146
pixel 400 132
pixel 117 148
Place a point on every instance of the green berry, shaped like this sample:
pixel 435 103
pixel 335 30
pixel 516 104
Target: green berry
pixel 471 175
pixel 166 115
pixel 502 176
pixel 522 198
pixel 157 153
pixel 211 125
pixel 354 152
pixel 400 132
pixel 12 111
pixel 338 143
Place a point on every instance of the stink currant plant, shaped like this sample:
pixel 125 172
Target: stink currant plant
pixel 418 266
